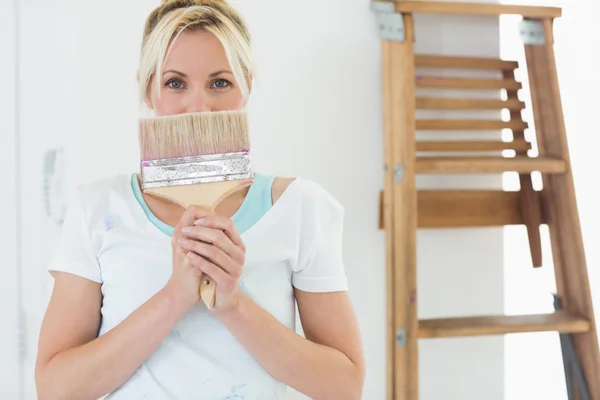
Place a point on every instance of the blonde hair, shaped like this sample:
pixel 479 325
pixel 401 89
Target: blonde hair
pixel 167 21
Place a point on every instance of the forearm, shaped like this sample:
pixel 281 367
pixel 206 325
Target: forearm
pixel 102 365
pixel 320 372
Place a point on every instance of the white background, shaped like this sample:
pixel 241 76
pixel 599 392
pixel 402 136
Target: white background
pixel 316 113
pixel 9 252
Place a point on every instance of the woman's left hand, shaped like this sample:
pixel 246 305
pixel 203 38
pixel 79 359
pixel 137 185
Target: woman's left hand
pixel 215 247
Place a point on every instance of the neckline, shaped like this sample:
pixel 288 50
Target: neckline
pixel 168 229
pixel 142 207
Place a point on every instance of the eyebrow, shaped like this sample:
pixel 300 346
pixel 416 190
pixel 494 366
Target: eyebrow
pixel 219 72
pixel 175 72
pixel 212 75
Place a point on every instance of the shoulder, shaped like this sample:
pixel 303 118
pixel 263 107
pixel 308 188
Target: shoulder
pixel 98 190
pixel 93 198
pixel 102 186
pixel 311 196
pixel 280 185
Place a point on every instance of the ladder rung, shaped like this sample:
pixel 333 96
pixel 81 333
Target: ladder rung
pixel 438 61
pixel 560 321
pixel 467 208
pixel 482 145
pixel 470 208
pixel 469 124
pixel 441 82
pixel 468 8
pixel 521 164
pixel 432 103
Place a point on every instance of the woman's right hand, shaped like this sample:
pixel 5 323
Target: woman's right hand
pixel 185 279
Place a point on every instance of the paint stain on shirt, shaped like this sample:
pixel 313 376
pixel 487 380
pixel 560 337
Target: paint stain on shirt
pixel 108 223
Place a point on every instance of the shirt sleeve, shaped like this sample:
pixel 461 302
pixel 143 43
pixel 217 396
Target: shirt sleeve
pixel 320 266
pixel 74 253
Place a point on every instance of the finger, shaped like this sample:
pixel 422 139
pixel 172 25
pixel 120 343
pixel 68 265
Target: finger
pixel 211 253
pixel 224 224
pixel 193 213
pixel 222 279
pixel 216 237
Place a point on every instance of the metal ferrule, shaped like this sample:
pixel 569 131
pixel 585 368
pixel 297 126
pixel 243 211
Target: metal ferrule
pixel 196 169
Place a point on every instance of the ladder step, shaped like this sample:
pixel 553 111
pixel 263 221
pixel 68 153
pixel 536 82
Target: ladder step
pixel 441 82
pixel 471 208
pixel 469 124
pixel 521 164
pixel 467 208
pixel 483 145
pixel 468 8
pixel 438 61
pixel 559 321
pixel 432 103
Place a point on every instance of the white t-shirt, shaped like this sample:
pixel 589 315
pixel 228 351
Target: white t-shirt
pixel 108 238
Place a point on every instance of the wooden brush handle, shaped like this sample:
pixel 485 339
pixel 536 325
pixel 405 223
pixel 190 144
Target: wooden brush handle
pixel 213 195
pixel 208 291
pixel 207 195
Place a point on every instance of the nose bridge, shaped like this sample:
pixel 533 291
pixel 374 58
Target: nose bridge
pixel 199 101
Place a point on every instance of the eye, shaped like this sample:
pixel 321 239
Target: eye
pixel 174 84
pixel 221 83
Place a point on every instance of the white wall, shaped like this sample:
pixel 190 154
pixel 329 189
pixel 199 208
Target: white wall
pixel 316 113
pixel 9 299
pixel 460 270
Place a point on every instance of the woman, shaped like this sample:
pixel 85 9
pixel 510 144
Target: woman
pixel 125 318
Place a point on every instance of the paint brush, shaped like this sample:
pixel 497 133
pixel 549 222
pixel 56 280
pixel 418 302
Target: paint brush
pixel 196 159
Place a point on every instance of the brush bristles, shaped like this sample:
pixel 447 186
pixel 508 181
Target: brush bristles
pixel 193 134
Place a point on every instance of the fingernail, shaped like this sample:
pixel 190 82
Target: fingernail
pixel 199 221
pixel 182 241
pixel 187 229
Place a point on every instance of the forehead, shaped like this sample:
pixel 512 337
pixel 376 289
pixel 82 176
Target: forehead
pixel 196 51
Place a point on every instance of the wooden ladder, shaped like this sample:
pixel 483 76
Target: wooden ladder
pixel 404 209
